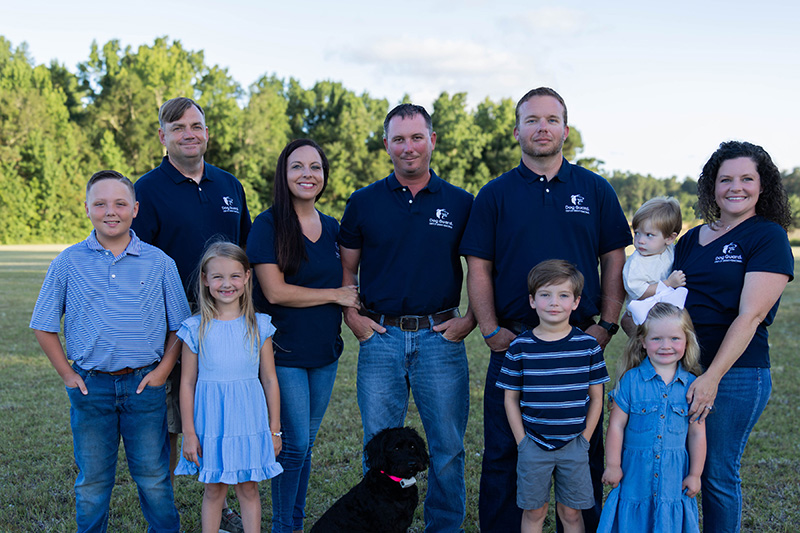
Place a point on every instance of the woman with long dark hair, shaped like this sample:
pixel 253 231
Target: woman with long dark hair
pixel 737 265
pixel 298 282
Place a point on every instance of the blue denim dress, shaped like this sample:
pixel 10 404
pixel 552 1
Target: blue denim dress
pixel 654 456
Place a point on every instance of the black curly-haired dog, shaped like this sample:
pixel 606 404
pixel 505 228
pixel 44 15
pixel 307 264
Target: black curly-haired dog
pixel 385 499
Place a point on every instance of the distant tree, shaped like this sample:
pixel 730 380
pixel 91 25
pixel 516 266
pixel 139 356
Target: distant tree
pixel 459 144
pixel 496 120
pixel 264 132
pixel 41 177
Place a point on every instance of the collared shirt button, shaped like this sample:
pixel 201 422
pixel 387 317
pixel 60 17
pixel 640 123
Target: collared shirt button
pixel 659 436
pixel 658 456
pixel 665 395
pixel 411 201
pixel 113 275
pixel 662 416
pixel 547 190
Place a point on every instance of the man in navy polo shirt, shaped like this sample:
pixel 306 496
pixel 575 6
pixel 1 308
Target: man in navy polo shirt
pixel 546 208
pixel 184 204
pixel 403 233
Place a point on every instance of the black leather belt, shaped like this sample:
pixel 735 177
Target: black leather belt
pixel 411 322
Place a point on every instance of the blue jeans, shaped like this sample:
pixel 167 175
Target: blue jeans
pixel 741 398
pixel 111 410
pixel 497 503
pixel 437 373
pixel 305 393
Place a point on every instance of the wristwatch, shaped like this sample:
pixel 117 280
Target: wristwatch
pixel 610 327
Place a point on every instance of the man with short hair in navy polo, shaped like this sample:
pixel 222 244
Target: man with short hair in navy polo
pixel 546 208
pixel 184 204
pixel 403 233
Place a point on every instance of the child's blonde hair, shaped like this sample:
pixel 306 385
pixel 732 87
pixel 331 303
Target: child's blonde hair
pixel 663 212
pixel 635 353
pixel 206 303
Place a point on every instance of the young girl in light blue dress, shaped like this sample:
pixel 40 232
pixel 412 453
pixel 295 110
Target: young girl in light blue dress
pixel 654 456
pixel 230 402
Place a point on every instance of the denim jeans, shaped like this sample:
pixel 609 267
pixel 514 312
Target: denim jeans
pixel 305 393
pixel 437 373
pixel 497 502
pixel 741 398
pixel 111 410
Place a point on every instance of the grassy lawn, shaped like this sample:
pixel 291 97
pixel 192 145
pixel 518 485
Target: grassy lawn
pixel 37 469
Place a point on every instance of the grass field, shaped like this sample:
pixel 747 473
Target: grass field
pixel 37 469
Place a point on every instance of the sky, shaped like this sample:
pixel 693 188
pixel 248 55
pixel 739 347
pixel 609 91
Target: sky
pixel 653 87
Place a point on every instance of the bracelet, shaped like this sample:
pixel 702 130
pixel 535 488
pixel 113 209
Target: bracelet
pixel 278 434
pixel 492 334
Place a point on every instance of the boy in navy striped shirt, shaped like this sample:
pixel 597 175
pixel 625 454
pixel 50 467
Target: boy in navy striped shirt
pixel 553 378
pixel 122 302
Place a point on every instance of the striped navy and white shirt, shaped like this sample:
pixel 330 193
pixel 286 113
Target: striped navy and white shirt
pixel 116 310
pixel 554 379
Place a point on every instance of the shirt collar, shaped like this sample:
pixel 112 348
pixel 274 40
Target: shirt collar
pixel 433 185
pixel 134 247
pixel 176 175
pixel 530 176
pixel 648 372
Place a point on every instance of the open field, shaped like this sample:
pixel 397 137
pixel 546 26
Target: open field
pixel 37 469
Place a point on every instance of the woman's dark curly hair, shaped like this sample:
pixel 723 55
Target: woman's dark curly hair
pixel 773 203
pixel 290 247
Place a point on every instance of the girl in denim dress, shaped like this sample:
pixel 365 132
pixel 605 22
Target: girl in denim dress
pixel 654 456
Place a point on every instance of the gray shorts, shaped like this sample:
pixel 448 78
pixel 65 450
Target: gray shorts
pixel 570 467
pixel 173 400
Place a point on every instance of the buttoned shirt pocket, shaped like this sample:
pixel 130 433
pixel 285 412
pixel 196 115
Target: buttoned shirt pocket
pixel 677 418
pixel 642 417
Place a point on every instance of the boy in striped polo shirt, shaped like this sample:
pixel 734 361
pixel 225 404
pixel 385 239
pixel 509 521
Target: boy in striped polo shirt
pixel 553 378
pixel 122 302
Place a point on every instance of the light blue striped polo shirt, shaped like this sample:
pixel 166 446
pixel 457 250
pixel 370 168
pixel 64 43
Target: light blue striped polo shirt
pixel 116 310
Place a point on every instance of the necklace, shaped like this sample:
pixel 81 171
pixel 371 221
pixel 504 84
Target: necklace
pixel 717 226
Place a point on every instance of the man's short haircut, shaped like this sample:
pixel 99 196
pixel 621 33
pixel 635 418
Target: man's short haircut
pixel 110 175
pixel 555 271
pixel 663 213
pixel 407 111
pixel 541 91
pixel 174 109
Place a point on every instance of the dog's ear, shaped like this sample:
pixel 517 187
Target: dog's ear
pixel 375 451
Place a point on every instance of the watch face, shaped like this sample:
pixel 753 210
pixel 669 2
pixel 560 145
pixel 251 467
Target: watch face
pixel 609 326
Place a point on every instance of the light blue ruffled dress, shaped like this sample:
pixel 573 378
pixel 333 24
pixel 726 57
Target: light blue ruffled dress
pixel 654 456
pixel 230 409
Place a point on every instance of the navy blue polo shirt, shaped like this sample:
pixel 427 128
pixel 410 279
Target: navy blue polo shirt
pixel 715 279
pixel 181 216
pixel 520 219
pixel 409 245
pixel 307 337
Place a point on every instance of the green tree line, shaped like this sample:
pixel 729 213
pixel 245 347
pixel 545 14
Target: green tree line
pixel 58 126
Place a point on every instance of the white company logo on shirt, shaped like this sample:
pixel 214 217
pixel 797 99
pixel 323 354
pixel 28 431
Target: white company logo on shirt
pixel 576 205
pixel 729 254
pixel 440 219
pixel 228 206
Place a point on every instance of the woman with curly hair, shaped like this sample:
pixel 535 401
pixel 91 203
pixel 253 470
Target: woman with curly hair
pixel 293 249
pixel 737 265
